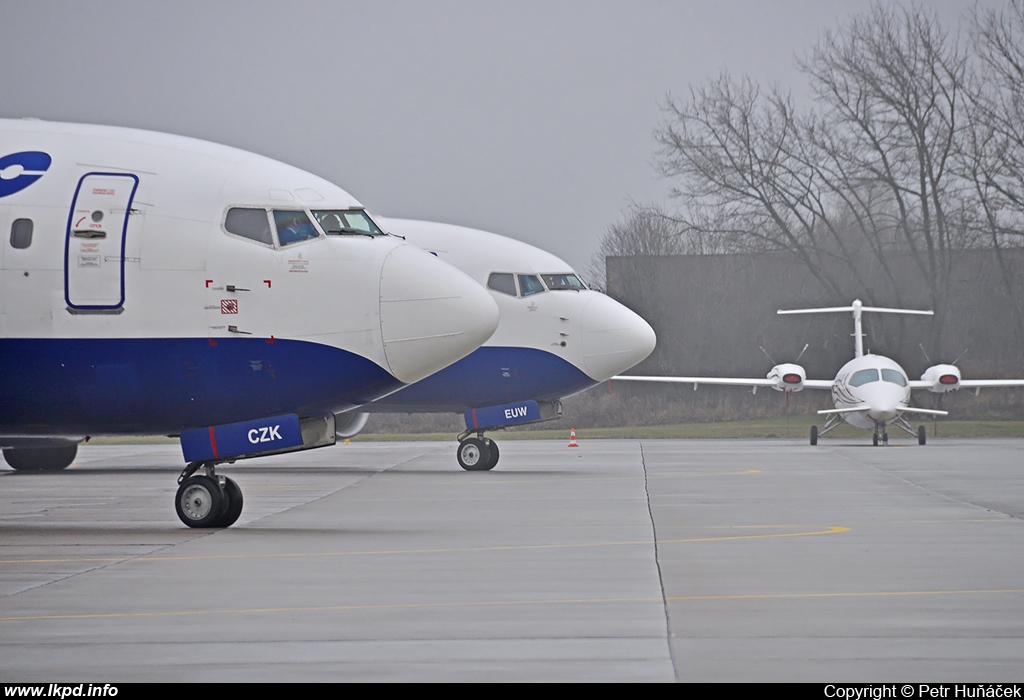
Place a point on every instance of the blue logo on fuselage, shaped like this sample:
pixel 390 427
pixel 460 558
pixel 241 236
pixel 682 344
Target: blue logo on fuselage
pixel 19 170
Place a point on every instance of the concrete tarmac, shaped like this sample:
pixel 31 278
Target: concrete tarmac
pixel 621 560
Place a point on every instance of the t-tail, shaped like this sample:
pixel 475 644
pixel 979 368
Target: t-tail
pixel 857 308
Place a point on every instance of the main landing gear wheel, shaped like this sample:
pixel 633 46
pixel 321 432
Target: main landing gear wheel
pixel 474 455
pixel 493 447
pixel 41 459
pixel 874 439
pixel 922 438
pixel 200 502
pixel 814 435
pixel 232 505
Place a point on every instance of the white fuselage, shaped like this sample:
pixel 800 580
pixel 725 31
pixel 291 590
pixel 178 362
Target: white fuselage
pixel 875 382
pixel 153 283
pixel 555 337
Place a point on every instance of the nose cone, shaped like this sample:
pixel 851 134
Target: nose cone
pixel 614 338
pixel 430 313
pixel 884 401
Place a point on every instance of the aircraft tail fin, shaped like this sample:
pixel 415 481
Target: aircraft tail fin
pixel 857 308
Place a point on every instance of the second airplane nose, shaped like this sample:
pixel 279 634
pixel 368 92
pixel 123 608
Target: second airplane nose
pixel 614 338
pixel 431 315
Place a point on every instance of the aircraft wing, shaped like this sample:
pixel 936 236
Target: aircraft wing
pixel 725 381
pixel 986 383
pixel 927 411
pixel 971 383
pixel 848 409
pixel 729 381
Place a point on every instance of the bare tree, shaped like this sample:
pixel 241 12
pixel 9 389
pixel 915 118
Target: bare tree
pixel 646 230
pixel 868 174
pixel 891 87
pixel 994 153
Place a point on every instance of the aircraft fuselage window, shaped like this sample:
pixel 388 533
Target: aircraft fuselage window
pixel 293 226
pixel 864 376
pixel 249 223
pixel 503 282
pixel 894 377
pixel 21 233
pixel 563 281
pixel 340 222
pixel 529 284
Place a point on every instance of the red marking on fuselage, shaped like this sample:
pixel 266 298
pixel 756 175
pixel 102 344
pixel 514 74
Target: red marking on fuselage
pixel 213 442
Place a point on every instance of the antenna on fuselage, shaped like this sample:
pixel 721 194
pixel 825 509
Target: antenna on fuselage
pixel 857 308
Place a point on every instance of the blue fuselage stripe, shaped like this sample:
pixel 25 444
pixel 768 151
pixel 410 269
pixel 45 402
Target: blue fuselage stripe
pixel 490 376
pixel 165 385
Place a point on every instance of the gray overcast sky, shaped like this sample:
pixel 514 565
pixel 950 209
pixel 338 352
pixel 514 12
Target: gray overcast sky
pixel 529 119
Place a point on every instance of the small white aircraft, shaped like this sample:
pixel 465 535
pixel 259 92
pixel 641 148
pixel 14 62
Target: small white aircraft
pixel 869 391
pixel 156 284
pixel 556 337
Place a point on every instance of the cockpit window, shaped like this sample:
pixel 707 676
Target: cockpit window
pixel 293 226
pixel 563 281
pixel 894 377
pixel 864 376
pixel 338 222
pixel 529 284
pixel 503 282
pixel 249 223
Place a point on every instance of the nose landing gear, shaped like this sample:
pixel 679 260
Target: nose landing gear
pixel 207 501
pixel 477 454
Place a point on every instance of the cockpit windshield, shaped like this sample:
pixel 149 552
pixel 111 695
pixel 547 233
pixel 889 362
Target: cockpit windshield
pixel 341 222
pixel 864 376
pixel 529 284
pixel 894 377
pixel 565 280
pixel 293 226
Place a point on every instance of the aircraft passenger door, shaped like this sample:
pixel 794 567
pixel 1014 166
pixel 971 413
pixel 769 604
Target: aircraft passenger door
pixel 94 249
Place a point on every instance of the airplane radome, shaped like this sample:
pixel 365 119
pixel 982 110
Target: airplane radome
pixel 555 338
pixel 156 284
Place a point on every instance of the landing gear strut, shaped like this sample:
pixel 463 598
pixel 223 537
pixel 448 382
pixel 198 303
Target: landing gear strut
pixel 831 422
pixel 903 425
pixel 208 500
pixel 477 454
pixel 880 436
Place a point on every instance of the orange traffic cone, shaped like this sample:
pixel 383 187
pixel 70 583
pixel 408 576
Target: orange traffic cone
pixel 572 438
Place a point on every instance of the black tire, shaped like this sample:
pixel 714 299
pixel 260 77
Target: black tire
pixel 41 459
pixel 874 439
pixel 233 505
pixel 922 437
pixel 200 502
pixel 814 435
pixel 492 446
pixel 473 455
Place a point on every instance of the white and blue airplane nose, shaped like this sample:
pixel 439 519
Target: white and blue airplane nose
pixel 431 314
pixel 614 338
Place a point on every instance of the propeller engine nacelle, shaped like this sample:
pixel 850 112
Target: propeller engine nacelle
pixel 942 379
pixel 347 425
pixel 788 377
